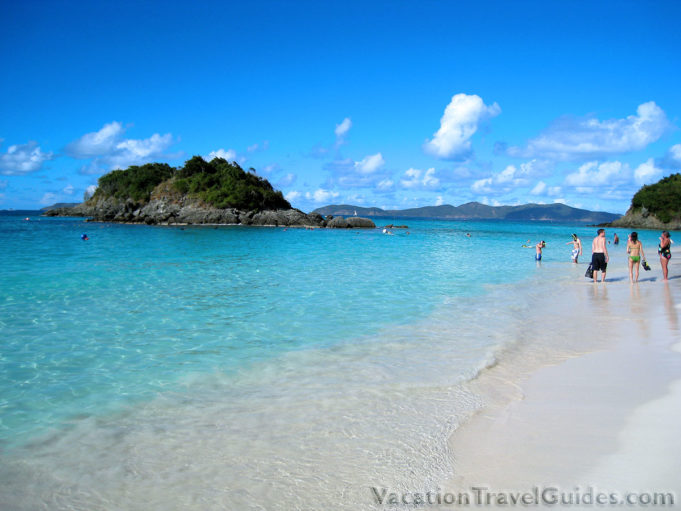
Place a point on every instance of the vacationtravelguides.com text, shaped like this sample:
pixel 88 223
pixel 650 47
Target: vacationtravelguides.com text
pixel 545 496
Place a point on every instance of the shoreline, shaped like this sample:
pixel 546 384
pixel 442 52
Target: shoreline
pixel 576 418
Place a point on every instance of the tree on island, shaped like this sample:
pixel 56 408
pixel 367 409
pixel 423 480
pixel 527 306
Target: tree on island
pixel 662 199
pixel 218 183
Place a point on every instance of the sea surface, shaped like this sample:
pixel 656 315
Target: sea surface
pixel 238 367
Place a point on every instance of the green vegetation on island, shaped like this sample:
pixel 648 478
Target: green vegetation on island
pixel 218 183
pixel 662 199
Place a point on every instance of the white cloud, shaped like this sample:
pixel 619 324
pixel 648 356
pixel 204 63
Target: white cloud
pixel 343 128
pixel 570 138
pixel 416 179
pixel 99 143
pixel 385 185
pixel 592 174
pixel 321 195
pixel 539 188
pixel 647 173
pixel 134 152
pixel 348 174
pixel 370 164
pixel 89 192
pixel 440 201
pixel 488 202
pixel 229 155
pixel 109 149
pixel 293 195
pixel 506 180
pixel 355 199
pixel 675 153
pixel 68 190
pixel 22 159
pixel 458 124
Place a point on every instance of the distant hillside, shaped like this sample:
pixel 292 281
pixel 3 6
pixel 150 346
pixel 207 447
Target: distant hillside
pixel 478 211
pixel 60 205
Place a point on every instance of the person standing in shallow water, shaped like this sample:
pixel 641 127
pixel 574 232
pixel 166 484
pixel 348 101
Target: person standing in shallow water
pixel 599 255
pixel 539 246
pixel 665 251
pixel 635 251
pixel 576 248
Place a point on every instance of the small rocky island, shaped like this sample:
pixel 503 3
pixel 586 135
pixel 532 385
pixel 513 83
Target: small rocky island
pixel 201 192
pixel 656 206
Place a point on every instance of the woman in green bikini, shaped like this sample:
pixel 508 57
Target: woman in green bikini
pixel 635 251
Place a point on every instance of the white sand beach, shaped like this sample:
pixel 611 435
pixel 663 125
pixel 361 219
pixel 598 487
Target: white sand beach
pixel 598 416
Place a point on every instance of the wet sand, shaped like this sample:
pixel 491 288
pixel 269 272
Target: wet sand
pixel 600 414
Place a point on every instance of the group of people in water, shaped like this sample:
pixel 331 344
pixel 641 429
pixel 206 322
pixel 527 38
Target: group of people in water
pixel 599 253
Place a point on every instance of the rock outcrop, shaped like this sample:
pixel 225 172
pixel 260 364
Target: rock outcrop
pixel 642 219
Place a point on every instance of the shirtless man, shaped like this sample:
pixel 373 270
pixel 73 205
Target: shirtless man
pixel 599 255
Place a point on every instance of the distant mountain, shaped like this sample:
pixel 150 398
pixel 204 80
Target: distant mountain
pixel 60 205
pixel 477 211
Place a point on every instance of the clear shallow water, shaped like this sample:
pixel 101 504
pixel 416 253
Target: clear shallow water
pixel 257 366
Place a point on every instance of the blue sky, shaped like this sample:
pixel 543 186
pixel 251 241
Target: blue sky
pixel 389 104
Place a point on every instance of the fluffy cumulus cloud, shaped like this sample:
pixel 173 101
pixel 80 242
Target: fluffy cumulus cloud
pixel 321 195
pixel 95 144
pixel 574 139
pixel 293 195
pixel 541 188
pixel 229 155
pixel 647 173
pixel 370 164
pixel 367 172
pixel 511 177
pixel 594 174
pixel 108 148
pixel 23 159
pixel 419 179
pixel 459 123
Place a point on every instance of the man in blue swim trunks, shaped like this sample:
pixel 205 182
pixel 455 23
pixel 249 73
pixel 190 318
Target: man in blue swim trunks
pixel 539 246
pixel 599 255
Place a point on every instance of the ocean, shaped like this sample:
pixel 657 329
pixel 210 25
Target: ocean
pixel 232 367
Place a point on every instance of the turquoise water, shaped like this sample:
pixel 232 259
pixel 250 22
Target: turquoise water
pixel 152 329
